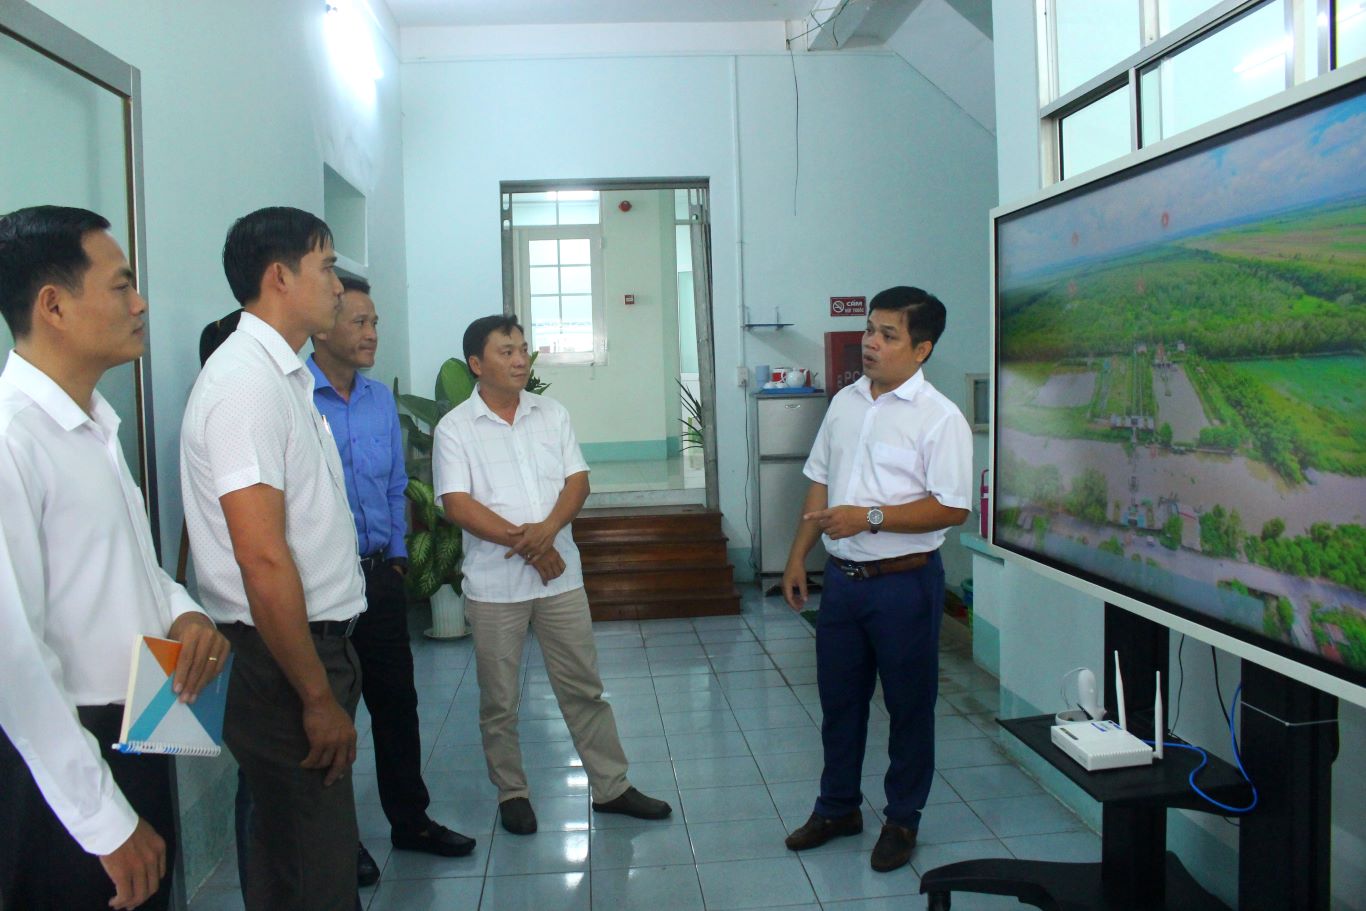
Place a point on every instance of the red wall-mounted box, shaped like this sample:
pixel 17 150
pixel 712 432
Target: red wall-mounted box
pixel 843 360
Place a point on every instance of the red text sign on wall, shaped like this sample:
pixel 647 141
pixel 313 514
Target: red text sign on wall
pixel 848 306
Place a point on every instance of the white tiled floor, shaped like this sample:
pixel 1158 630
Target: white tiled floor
pixel 719 717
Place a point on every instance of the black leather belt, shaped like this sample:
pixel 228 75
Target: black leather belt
pixel 371 562
pixel 333 629
pixel 871 568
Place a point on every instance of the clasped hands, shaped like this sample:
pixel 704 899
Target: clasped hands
pixel 534 542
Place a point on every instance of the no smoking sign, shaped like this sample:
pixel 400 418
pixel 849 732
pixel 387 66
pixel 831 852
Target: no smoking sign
pixel 848 306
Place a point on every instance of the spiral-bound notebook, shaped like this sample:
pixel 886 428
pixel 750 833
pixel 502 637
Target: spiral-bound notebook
pixel 154 718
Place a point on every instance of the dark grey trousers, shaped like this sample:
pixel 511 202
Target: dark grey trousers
pixel 303 835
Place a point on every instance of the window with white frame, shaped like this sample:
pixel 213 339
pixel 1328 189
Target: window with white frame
pixel 557 251
pixel 1125 74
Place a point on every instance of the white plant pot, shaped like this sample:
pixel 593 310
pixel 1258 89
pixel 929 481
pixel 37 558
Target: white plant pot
pixel 448 615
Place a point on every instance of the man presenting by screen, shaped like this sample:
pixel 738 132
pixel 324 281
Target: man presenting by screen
pixel 891 469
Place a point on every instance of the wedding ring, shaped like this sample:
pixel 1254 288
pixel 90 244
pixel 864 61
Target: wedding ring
pixel 212 658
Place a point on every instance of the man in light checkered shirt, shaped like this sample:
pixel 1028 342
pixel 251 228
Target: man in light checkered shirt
pixel 509 472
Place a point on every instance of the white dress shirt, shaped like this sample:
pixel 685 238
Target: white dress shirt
pixel 906 444
pixel 517 470
pixel 251 420
pixel 79 581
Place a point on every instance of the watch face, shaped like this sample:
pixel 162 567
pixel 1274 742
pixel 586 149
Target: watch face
pixel 874 516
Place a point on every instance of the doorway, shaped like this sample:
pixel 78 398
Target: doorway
pixel 611 279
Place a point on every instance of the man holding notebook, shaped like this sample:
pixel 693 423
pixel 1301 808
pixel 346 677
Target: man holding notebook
pixel 81 826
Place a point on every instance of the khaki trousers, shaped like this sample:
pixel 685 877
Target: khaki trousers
pixel 565 631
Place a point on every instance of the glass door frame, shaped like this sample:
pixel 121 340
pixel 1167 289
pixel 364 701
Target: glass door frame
pixel 37 30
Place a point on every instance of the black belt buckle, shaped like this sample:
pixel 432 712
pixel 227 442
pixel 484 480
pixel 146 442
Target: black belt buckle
pixel 370 561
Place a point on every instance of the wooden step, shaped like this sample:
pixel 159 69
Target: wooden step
pixel 611 554
pixel 657 579
pixel 682 522
pixel 664 605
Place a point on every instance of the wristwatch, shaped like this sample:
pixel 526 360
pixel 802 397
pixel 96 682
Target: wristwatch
pixel 875 520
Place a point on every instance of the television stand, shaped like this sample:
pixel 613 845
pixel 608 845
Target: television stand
pixel 1136 871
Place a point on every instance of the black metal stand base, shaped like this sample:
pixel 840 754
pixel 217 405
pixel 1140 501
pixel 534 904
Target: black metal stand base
pixel 1059 886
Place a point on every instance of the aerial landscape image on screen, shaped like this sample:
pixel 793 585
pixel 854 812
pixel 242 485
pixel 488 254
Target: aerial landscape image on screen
pixel 1181 385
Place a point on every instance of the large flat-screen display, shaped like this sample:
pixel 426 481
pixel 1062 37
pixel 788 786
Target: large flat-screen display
pixel 1180 395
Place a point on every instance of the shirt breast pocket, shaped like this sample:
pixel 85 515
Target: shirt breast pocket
pixel 548 462
pixel 896 469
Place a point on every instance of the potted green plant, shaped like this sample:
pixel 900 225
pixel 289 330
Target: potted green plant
pixel 434 545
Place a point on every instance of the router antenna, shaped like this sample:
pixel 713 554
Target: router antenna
pixel 1119 695
pixel 1159 723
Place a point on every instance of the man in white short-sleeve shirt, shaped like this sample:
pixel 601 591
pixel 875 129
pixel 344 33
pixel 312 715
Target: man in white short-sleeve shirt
pixel 275 555
pixel 81 825
pixel 891 471
pixel 509 472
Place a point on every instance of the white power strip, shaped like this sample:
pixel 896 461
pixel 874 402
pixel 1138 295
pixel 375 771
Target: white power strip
pixel 1097 745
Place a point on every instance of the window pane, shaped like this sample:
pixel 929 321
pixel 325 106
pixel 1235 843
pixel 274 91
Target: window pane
pixel 1172 14
pixel 576 280
pixel 576 326
pixel 545 322
pixel 1241 63
pixel 541 253
pixel 1096 134
pixel 680 205
pixel 1092 37
pixel 579 212
pixel 545 280
pixel 532 213
pixel 577 311
pixel 1351 31
pixel 576 251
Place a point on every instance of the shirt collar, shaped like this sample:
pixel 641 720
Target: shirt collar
pixel 54 401
pixel 907 391
pixel 525 402
pixel 285 357
pixel 320 380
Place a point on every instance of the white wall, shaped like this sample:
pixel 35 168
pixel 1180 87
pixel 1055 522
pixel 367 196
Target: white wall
pixel 1046 629
pixel 241 107
pixel 896 181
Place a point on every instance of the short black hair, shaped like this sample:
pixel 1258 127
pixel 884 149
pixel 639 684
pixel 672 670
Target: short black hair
pixel 216 333
pixel 351 283
pixel 477 335
pixel 41 245
pixel 925 313
pixel 278 234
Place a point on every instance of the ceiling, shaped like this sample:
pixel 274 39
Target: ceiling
pixel 877 20
pixel 414 13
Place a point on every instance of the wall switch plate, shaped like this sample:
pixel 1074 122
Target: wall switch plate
pixel 742 377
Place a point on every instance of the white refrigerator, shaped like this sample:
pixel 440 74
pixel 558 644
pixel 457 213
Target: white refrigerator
pixel 787 428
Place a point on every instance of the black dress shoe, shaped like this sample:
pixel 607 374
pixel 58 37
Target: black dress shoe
pixel 819 829
pixel 434 839
pixel 517 816
pixel 893 848
pixel 367 871
pixel 634 803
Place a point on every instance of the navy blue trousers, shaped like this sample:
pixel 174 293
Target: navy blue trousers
pixel 886 627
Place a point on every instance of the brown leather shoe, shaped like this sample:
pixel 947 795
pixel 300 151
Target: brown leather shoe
pixel 893 848
pixel 820 829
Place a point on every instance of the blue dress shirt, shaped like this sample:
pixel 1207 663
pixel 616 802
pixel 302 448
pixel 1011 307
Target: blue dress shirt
pixel 371 446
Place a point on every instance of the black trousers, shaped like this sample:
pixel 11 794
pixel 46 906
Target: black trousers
pixel 386 663
pixel 302 843
pixel 42 868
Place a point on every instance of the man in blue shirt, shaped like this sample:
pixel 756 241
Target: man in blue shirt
pixel 364 421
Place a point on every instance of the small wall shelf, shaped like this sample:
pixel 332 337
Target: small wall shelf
pixel 766 325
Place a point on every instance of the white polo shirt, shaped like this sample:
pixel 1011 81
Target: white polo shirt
pixel 517 470
pixel 251 420
pixel 79 581
pixel 906 444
